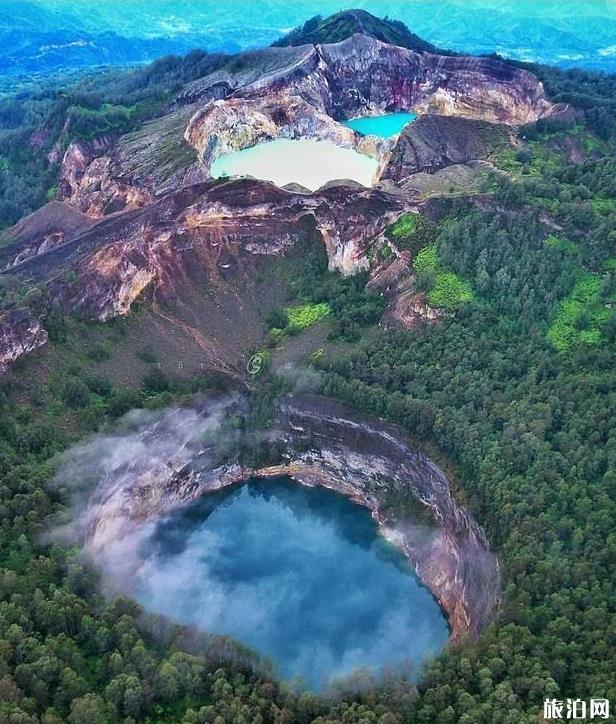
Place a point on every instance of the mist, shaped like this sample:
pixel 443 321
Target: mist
pixel 299 575
pixel 309 583
pixel 145 450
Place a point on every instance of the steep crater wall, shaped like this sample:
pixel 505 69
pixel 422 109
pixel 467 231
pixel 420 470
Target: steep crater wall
pixel 302 92
pixel 360 76
pixel 320 443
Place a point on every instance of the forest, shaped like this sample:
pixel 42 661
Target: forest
pixel 516 386
pixel 36 126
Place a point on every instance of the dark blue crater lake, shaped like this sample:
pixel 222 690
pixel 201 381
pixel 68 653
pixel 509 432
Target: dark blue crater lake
pixel 384 126
pixel 300 575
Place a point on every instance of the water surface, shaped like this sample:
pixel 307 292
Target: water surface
pixel 304 161
pixel 299 574
pixel 384 126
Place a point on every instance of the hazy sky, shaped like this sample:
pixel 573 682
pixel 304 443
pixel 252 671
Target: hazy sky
pixel 566 32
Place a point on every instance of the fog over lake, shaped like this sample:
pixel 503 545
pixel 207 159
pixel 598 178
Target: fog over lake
pixel 301 575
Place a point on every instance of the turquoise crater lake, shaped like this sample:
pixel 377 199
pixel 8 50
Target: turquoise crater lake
pixel 305 161
pixel 384 126
pixel 301 575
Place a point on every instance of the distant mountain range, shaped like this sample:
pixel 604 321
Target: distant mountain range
pixel 43 36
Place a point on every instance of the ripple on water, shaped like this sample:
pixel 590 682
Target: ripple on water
pixel 299 574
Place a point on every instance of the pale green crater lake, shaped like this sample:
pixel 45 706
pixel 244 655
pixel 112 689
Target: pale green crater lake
pixel 299 574
pixel 383 126
pixel 307 162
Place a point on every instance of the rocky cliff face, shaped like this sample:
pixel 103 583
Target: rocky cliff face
pixel 433 142
pixel 327 445
pixel 228 125
pixel 372 76
pixel 208 229
pixel 89 183
pixel 291 93
pixel 142 213
pixel 40 232
pixel 20 333
pixel 208 234
pixel 361 76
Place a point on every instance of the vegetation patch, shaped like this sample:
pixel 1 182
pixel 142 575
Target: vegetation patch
pixel 305 315
pixel 412 232
pixel 294 319
pixel 603 205
pixel 404 226
pixel 343 25
pixel 426 260
pixel 445 288
pixel 352 307
pixel 564 245
pixel 87 123
pixel 581 316
pixel 449 291
pixel 532 159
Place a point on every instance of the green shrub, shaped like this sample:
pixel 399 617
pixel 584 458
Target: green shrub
pixel 449 291
pixel 276 319
pixel 446 290
pixel 76 393
pixel 305 315
pixel 99 352
pixel 122 401
pixel 564 245
pixel 293 319
pixel 404 226
pixel 100 385
pixel 581 316
pixel 155 381
pixel 146 354
pixel 426 259
pixel 412 232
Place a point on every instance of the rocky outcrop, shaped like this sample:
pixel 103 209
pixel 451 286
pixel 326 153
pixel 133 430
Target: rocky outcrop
pixel 396 280
pixel 228 125
pixel 296 92
pixel 433 142
pixel 410 308
pixel 324 444
pixel 20 333
pixel 206 230
pixel 89 183
pixel 40 232
pixel 266 66
pixel 368 76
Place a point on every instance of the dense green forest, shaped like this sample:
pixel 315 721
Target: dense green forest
pixel 517 388
pixel 344 24
pixel 37 126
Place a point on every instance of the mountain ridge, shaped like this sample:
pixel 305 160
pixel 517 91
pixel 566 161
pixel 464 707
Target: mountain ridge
pixel 161 216
pixel 43 37
pixel 340 26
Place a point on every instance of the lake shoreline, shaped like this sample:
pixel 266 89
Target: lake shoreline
pixel 323 444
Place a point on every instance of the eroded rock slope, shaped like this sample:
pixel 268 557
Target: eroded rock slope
pixel 323 444
pixel 140 213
